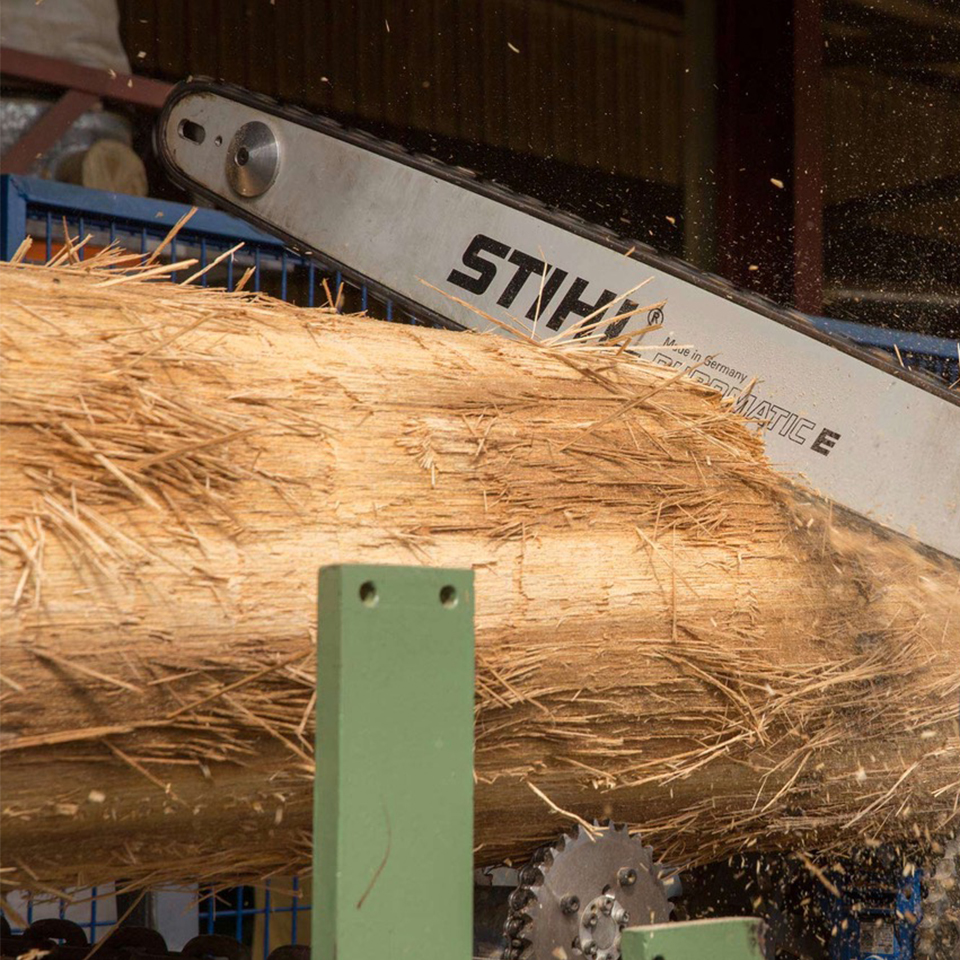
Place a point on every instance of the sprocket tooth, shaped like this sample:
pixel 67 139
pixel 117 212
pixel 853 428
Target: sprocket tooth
pixel 531 875
pixel 519 899
pixel 551 855
pixel 540 854
pixel 525 917
pixel 645 856
pixel 584 865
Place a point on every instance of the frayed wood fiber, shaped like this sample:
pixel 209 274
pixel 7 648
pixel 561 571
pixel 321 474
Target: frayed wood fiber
pixel 668 632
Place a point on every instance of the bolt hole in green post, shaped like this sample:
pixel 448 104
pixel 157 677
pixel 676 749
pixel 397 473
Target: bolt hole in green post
pixel 368 593
pixel 448 596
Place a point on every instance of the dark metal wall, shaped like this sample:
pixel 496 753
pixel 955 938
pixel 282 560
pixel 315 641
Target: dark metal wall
pixel 755 146
pixel 595 84
pixel 577 102
pixel 892 163
pixel 787 144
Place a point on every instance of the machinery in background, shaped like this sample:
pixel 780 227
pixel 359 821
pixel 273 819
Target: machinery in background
pixel 382 631
pixel 61 939
pixel 876 913
pixel 394 807
pixel 876 905
pixel 91 146
pixel 580 892
pixel 382 834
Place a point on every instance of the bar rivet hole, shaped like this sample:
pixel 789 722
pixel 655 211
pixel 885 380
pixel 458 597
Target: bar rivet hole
pixel 192 131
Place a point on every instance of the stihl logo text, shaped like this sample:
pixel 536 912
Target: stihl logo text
pixel 531 285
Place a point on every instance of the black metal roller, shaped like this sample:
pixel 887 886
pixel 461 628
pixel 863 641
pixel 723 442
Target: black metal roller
pixel 54 928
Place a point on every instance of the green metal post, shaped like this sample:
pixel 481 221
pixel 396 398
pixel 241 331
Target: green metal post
pixel 730 938
pixel 393 798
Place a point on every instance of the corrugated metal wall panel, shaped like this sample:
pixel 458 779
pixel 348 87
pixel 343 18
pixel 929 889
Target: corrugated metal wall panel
pixel 885 132
pixel 593 83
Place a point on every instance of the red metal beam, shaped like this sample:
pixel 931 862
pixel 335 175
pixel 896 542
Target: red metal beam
pixel 755 131
pixel 808 107
pixel 140 91
pixel 46 131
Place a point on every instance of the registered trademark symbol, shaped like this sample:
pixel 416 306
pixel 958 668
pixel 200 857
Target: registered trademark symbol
pixel 654 316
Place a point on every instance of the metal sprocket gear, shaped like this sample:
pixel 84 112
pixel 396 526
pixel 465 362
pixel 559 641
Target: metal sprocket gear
pixel 578 894
pixel 938 935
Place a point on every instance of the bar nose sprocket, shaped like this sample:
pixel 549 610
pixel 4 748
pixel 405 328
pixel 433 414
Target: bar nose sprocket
pixel 578 894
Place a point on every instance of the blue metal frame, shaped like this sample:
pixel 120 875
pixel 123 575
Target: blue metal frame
pixel 935 354
pixel 26 200
pixel 233 912
pixel 92 927
pixel 30 206
pixel 13 216
pixel 33 195
pixel 901 914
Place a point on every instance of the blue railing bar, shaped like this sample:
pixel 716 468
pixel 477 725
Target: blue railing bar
pixel 238 922
pixel 253 911
pixel 14 218
pixel 118 206
pixel 294 903
pixel 266 921
pixel 869 336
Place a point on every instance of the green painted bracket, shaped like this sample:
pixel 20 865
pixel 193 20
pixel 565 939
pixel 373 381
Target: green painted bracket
pixel 393 797
pixel 730 938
